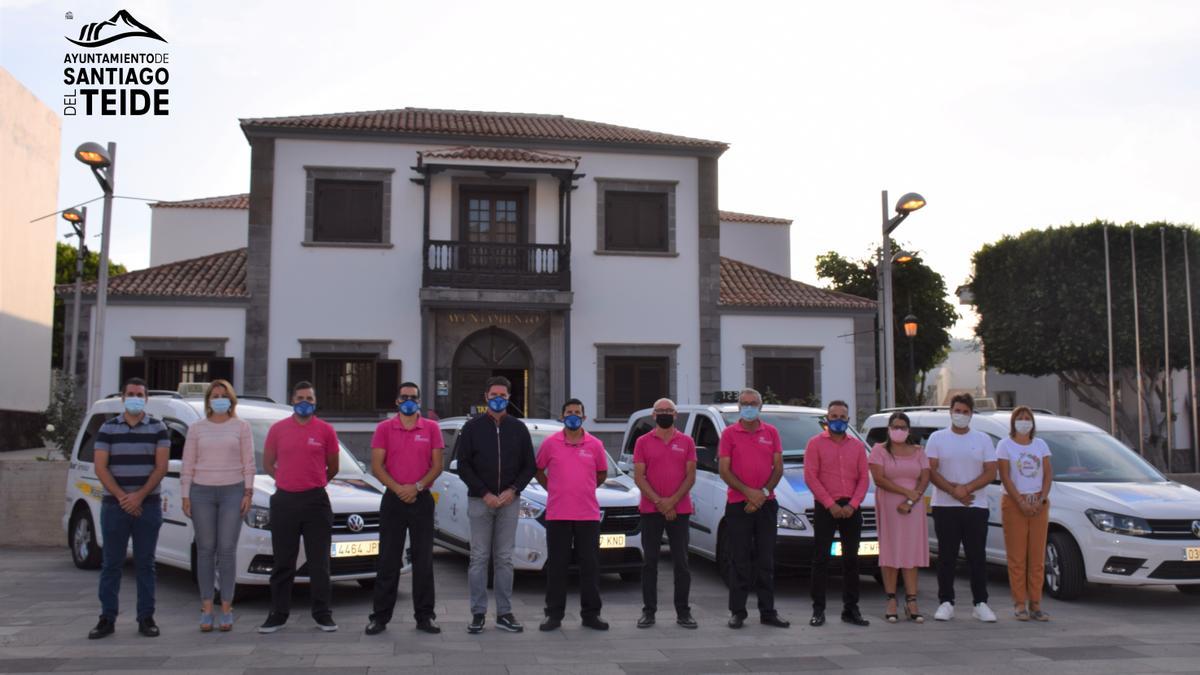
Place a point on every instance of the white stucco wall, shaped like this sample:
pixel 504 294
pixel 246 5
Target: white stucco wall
pixel 739 331
pixel 183 233
pixel 183 321
pixel 759 244
pixel 29 153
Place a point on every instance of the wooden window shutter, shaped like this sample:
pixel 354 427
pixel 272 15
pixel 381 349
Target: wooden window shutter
pixel 298 370
pixel 387 381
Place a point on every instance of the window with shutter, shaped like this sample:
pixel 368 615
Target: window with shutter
pixel 636 221
pixel 790 380
pixel 632 383
pixel 347 211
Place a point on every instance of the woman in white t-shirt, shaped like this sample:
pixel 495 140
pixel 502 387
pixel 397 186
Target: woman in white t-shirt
pixel 1026 473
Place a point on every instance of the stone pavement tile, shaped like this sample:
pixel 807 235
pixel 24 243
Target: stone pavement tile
pixel 113 663
pixel 29 665
pixel 605 655
pixel 1190 648
pixel 443 670
pixel 684 667
pixel 375 660
pixel 1091 653
pixel 1168 637
pixel 529 657
pixel 880 660
pixel 313 671
pixel 968 654
pixel 575 668
pixel 788 664
pixel 752 651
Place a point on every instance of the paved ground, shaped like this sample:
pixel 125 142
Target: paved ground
pixel 50 606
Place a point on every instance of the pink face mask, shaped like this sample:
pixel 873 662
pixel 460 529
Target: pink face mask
pixel 898 435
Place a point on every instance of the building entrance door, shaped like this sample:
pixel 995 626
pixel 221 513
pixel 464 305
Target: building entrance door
pixel 485 354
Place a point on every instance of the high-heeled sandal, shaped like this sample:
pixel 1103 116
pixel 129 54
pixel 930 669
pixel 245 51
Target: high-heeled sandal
pixel 226 624
pixel 912 616
pixel 891 618
pixel 206 622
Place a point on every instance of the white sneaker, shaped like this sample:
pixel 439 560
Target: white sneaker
pixel 984 613
pixel 945 612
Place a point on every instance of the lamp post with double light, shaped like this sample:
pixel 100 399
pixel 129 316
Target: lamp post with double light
pixel 887 356
pixel 78 220
pixel 103 162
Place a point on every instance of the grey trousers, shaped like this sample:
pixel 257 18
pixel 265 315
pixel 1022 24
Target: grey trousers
pixel 493 534
pixel 217 520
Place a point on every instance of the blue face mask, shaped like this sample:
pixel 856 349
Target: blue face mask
pixel 498 404
pixel 838 426
pixel 135 405
pixel 573 422
pixel 748 413
pixel 220 405
pixel 304 409
pixel 410 407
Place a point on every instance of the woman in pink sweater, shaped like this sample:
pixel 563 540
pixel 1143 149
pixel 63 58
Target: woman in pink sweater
pixel 217 482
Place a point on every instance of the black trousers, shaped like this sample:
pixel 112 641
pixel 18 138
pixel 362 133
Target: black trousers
pixel 581 537
pixel 395 519
pixel 752 550
pixel 966 526
pixel 294 515
pixel 653 525
pixel 849 530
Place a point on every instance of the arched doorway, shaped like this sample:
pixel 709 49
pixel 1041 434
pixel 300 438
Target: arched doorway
pixel 487 353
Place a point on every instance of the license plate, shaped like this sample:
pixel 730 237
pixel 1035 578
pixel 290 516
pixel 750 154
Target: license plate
pixel 612 541
pixel 1191 553
pixel 864 548
pixel 353 549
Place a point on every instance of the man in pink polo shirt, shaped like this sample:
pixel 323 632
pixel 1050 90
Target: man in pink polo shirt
pixel 664 468
pixel 835 470
pixel 751 464
pixel 301 454
pixel 406 456
pixel 571 464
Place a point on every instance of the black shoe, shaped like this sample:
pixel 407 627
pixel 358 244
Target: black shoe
pixel 818 618
pixel 687 621
pixel 477 623
pixel 646 620
pixel 509 623
pixel 273 623
pixel 427 625
pixel 595 623
pixel 103 629
pixel 853 616
pixel 147 627
pixel 325 623
pixel 737 621
pixel 774 620
pixel 550 623
pixel 375 627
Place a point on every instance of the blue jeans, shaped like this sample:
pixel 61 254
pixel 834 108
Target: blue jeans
pixel 217 520
pixel 117 527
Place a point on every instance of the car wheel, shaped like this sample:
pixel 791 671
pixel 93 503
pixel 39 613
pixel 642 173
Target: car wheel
pixel 1064 567
pixel 81 535
pixel 1189 589
pixel 724 556
pixel 366 583
pixel 631 575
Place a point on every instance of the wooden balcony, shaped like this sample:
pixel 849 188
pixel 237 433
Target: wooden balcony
pixel 463 264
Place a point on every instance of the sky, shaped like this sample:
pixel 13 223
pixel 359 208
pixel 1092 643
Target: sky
pixel 1005 116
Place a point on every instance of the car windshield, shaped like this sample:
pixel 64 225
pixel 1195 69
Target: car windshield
pixel 539 436
pixel 795 430
pixel 1095 457
pixel 348 466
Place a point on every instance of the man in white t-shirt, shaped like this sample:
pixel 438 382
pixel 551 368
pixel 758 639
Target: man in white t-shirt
pixel 962 463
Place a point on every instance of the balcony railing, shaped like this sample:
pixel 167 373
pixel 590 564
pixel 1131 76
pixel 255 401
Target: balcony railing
pixel 465 264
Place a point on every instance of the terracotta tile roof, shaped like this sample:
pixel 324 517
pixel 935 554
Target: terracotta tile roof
pixel 745 285
pixel 498 155
pixel 467 123
pixel 220 275
pixel 241 201
pixel 736 217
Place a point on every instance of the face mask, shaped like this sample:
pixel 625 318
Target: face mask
pixel 220 405
pixel 572 422
pixel 898 435
pixel 304 409
pixel 838 426
pixel 135 405
pixel 497 405
pixel 664 421
pixel 1024 426
pixel 748 413
pixel 960 421
pixel 410 407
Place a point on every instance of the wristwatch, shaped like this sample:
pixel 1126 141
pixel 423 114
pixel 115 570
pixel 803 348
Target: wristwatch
pixel 420 488
pixel 909 502
pixel 766 492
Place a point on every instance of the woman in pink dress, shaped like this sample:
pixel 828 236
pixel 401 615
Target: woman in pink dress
pixel 901 473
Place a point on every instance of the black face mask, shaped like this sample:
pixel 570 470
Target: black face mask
pixel 665 421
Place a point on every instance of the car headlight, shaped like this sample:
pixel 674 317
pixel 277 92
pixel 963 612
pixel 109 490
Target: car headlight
pixel 1118 524
pixel 790 521
pixel 531 509
pixel 258 517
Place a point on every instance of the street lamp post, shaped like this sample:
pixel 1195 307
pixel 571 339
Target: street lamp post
pixel 906 205
pixel 103 162
pixel 78 220
pixel 910 331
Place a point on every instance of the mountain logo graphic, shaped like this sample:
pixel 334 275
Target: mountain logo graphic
pixel 121 26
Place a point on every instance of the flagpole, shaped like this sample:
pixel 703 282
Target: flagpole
pixel 1162 239
pixel 1112 397
pixel 1187 278
pixel 1137 347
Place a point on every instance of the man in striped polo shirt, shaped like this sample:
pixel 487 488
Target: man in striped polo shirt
pixel 131 459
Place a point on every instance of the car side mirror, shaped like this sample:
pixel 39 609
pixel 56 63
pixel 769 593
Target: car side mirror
pixel 625 466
